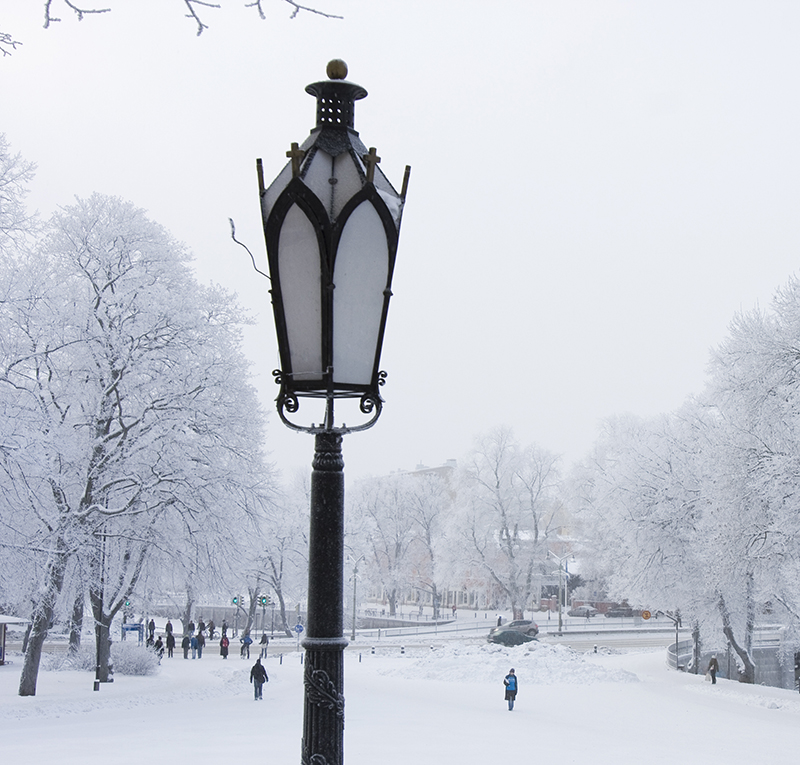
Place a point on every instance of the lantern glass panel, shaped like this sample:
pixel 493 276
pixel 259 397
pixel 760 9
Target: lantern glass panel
pixel 300 284
pixel 360 274
pixel 318 177
pixel 348 181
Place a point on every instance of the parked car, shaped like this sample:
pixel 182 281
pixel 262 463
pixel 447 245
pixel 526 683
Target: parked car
pixel 514 633
pixel 620 611
pixel 585 611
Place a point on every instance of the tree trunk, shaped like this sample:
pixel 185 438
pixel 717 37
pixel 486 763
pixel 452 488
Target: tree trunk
pixel 282 602
pixel 748 674
pixel 76 622
pixel 186 616
pixel 42 617
pixel 102 636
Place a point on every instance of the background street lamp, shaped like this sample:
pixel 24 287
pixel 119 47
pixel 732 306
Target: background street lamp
pixel 561 560
pixel 331 224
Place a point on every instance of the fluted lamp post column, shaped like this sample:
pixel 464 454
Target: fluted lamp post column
pixel 331 224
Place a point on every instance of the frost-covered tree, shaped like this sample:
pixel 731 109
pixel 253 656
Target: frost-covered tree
pixel 125 403
pixel 507 495
pixel 430 499
pixel 16 223
pixel 379 507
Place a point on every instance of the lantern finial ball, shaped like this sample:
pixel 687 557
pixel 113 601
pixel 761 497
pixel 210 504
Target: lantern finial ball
pixel 337 69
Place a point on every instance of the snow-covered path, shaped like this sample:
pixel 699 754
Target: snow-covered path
pixel 441 706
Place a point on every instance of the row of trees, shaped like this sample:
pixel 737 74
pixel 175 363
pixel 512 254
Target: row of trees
pixel 483 527
pixel 699 509
pixel 130 440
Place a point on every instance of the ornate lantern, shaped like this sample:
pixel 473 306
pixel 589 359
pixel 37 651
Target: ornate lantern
pixel 331 223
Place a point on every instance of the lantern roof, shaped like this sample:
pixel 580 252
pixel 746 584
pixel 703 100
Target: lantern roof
pixel 333 162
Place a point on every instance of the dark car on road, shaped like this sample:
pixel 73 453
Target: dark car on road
pixel 620 611
pixel 514 633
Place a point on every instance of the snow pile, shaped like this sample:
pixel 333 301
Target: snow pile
pixel 534 663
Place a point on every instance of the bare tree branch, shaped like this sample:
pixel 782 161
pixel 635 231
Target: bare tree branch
pixel 8 43
pixel 193 13
pixel 79 12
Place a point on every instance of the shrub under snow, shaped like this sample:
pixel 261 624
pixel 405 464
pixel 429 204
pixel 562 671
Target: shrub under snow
pixel 128 658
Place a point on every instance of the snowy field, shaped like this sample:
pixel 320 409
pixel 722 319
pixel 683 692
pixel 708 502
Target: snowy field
pixel 442 705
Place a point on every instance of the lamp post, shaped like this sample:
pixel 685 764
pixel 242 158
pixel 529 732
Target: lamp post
pixel 560 560
pixel 355 580
pixel 331 224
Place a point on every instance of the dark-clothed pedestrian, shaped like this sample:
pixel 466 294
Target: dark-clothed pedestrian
pixel 264 645
pixel 201 626
pixel 713 668
pixel 224 626
pixel 170 644
pixel 151 628
pixel 211 629
pixel 193 643
pixel 511 684
pixel 246 642
pixel 168 628
pixel 223 646
pixel 258 676
pixel 190 627
pixel 185 644
pixel 158 647
pixel 201 642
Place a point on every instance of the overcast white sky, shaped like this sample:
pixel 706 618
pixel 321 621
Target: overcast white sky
pixel 597 187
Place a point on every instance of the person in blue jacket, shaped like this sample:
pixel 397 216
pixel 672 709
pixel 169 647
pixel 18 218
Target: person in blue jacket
pixel 511 684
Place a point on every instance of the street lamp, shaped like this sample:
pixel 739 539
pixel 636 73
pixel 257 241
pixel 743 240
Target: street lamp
pixel 331 224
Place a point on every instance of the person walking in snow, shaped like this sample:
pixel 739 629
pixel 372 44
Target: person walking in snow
pixel 201 642
pixel 264 644
pixel 158 647
pixel 258 676
pixel 168 628
pixel 223 646
pixel 246 642
pixel 193 643
pixel 170 644
pixel 211 628
pixel 511 684
pixel 713 668
pixel 185 644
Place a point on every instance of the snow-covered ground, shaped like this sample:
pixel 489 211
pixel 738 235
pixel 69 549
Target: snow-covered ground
pixel 441 705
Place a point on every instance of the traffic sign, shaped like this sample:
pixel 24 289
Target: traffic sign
pixel 298 628
pixel 646 614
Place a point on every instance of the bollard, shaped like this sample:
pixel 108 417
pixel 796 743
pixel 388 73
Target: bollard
pixel 281 661
pixel 595 649
pixel 373 649
pixel 402 649
pixel 301 659
pixel 359 658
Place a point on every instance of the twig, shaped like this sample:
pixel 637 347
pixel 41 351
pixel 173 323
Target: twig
pixel 193 13
pixel 297 8
pixel 8 43
pixel 79 12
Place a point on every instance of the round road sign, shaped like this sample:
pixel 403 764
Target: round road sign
pixel 646 614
